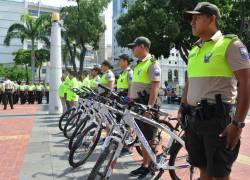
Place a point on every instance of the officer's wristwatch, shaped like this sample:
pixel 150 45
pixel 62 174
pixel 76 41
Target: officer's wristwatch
pixel 238 124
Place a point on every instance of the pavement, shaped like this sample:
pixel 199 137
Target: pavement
pixel 32 147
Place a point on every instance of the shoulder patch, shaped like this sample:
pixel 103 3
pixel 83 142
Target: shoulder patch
pixel 157 72
pixel 108 76
pixel 231 36
pixel 244 53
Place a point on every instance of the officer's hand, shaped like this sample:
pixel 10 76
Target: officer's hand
pixel 232 134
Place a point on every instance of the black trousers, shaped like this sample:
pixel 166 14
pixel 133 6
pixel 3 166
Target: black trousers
pixel 39 97
pixel 31 97
pixel 8 98
pixel 23 97
pixel 15 98
pixel 47 97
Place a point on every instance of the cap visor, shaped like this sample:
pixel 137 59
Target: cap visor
pixel 130 45
pixel 192 12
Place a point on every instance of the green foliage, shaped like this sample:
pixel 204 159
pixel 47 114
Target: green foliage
pixel 164 23
pixel 33 29
pixel 15 73
pixel 83 25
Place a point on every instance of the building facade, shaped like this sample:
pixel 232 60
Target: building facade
pixel 118 10
pixel 10 12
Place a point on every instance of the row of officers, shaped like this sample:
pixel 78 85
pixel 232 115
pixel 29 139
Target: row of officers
pixel 12 93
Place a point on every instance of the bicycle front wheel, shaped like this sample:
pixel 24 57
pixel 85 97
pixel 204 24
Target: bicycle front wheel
pixel 64 118
pixel 104 162
pixel 179 159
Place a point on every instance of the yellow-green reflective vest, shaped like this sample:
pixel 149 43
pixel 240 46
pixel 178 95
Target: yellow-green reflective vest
pixel 47 88
pixel 86 82
pixel 209 60
pixel 61 89
pixel 93 82
pixel 22 88
pixel 122 82
pixel 31 87
pixel 39 88
pixel 140 74
pixel 103 79
pixel 71 96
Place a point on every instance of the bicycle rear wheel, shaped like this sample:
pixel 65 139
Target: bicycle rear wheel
pixel 64 118
pixel 104 161
pixel 84 145
pixel 71 124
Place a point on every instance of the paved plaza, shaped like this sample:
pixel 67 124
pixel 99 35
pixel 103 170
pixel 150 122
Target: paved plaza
pixel 32 147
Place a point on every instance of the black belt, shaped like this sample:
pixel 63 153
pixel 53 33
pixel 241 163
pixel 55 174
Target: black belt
pixel 8 89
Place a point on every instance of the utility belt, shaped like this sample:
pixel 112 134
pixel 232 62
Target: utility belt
pixel 8 90
pixel 143 98
pixel 207 116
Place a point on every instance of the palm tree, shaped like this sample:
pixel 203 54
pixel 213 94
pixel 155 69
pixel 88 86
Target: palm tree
pixel 32 29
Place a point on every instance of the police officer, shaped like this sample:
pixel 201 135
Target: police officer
pixel 31 93
pixel 22 92
pixel 215 64
pixel 8 88
pixel 39 92
pixel 108 77
pixel 85 79
pixel 72 98
pixel 94 77
pixel 146 77
pixel 15 93
pixel 125 78
pixel 61 91
pixel 47 88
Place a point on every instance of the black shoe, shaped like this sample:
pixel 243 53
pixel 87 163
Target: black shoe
pixel 137 171
pixel 125 152
pixel 145 174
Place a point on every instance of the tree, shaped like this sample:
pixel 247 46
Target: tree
pixel 32 29
pixel 83 25
pixel 15 73
pixel 22 57
pixel 42 55
pixel 163 22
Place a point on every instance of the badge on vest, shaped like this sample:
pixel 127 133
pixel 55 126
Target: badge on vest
pixel 139 72
pixel 207 57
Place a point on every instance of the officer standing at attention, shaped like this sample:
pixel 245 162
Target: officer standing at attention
pixel 47 88
pixel 94 77
pixel 125 78
pixel 146 78
pixel 215 64
pixel 8 88
pixel 108 77
pixel 22 93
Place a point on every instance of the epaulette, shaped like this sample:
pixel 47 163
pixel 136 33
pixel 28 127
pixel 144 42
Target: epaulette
pixel 231 36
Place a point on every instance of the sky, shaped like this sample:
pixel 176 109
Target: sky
pixel 107 12
pixel 108 21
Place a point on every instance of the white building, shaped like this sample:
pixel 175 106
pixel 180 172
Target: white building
pixel 10 11
pixel 173 70
pixel 118 9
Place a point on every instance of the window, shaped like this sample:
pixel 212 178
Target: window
pixel 33 12
pixel 43 71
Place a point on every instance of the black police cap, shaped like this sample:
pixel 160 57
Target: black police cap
pixel 140 40
pixel 205 8
pixel 107 63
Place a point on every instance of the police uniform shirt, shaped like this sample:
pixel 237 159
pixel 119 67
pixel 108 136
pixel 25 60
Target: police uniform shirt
pixel 207 87
pixel 8 85
pixel 154 73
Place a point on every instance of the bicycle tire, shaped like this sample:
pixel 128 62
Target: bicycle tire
pixel 108 155
pixel 79 142
pixel 68 128
pixel 79 129
pixel 174 151
pixel 64 118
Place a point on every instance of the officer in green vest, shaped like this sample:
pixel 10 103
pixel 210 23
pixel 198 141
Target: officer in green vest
pixel 108 77
pixel 94 77
pixel 61 92
pixel 125 77
pixel 47 88
pixel 146 78
pixel 22 92
pixel 31 93
pixel 72 98
pixel 85 79
pixel 215 64
pixel 39 92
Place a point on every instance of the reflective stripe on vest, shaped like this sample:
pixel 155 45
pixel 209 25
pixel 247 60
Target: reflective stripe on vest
pixel 122 82
pixel 209 60
pixel 140 74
